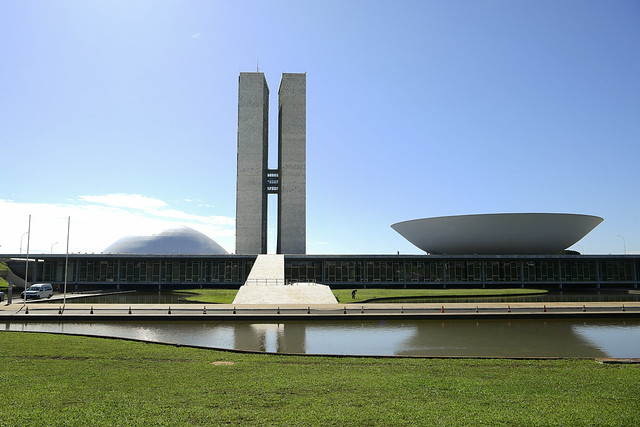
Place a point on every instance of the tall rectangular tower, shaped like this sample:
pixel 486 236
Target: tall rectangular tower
pixel 292 153
pixel 253 138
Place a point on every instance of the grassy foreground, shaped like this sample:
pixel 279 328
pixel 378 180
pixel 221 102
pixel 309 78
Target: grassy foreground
pixel 226 296
pixel 59 380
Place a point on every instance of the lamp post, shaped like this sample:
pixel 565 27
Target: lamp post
pixel 52 245
pixel 66 266
pixel 26 266
pixel 624 242
pixel 21 239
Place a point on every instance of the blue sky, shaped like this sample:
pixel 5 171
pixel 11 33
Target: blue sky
pixel 123 115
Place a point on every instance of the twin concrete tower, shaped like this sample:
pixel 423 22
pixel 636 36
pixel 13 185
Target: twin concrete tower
pixel 255 180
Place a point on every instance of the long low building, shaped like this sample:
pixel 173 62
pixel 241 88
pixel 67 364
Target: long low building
pixel 129 272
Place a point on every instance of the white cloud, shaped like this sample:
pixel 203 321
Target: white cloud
pixel 134 201
pixel 176 214
pixel 98 221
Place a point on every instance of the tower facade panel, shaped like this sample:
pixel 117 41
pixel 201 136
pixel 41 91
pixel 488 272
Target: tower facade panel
pixel 292 152
pixel 251 192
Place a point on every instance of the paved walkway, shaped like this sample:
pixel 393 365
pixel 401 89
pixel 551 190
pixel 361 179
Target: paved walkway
pixel 266 285
pixel 58 297
pixel 273 312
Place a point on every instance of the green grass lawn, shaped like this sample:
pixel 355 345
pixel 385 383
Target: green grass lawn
pixel 344 295
pixel 3 283
pixel 59 380
pixel 226 296
pixel 211 296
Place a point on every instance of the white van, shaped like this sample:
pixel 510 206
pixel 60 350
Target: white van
pixel 38 290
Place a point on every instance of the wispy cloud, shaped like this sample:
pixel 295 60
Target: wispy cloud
pixel 134 201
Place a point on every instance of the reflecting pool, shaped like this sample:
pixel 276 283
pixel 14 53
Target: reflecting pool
pixel 457 337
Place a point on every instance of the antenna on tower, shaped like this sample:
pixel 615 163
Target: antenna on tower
pixel 257 65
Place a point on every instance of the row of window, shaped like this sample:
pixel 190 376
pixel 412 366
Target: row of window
pixel 348 271
pixel 461 271
pixel 147 271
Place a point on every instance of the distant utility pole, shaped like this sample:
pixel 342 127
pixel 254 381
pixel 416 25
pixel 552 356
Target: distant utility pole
pixel 624 242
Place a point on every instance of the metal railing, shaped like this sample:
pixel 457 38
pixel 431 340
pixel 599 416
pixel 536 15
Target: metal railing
pixel 265 282
pixel 120 311
pixel 276 282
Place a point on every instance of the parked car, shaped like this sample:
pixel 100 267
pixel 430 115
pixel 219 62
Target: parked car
pixel 38 290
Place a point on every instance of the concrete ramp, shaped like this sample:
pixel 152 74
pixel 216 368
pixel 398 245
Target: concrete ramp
pixel 268 269
pixel 266 285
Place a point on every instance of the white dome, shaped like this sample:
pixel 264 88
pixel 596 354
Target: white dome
pixel 498 234
pixel 183 240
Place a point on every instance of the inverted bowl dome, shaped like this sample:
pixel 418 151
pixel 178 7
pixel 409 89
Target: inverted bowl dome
pixel 498 234
pixel 182 240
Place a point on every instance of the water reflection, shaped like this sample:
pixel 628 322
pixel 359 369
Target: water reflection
pixel 614 339
pixel 360 338
pixel 287 337
pixel 498 338
pixel 504 338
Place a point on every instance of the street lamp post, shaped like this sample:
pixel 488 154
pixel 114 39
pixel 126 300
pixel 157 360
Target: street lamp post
pixel 21 239
pixel 624 242
pixel 52 245
pixel 26 267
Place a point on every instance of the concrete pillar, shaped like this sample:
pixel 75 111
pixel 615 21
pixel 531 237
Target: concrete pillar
pixel 251 194
pixel 292 137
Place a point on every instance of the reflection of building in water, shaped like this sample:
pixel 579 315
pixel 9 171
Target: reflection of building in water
pixel 293 338
pixel 499 338
pixel 271 337
pixel 246 338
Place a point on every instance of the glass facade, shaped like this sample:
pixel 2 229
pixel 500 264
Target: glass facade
pixel 303 271
pixel 562 271
pixel 148 270
pixel 579 271
pixel 470 271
